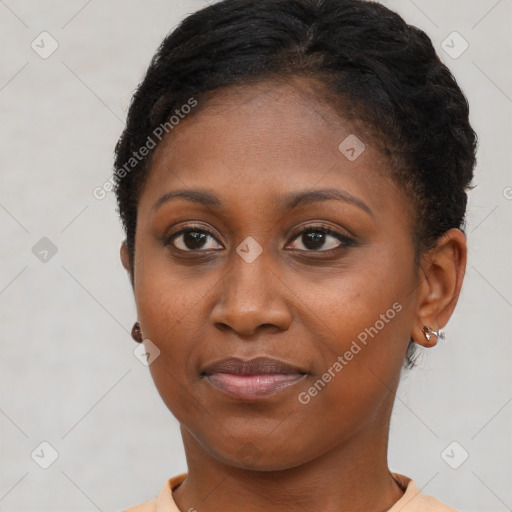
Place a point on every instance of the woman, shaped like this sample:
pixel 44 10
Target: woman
pixel 292 184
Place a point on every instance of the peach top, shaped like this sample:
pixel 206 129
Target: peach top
pixel 412 500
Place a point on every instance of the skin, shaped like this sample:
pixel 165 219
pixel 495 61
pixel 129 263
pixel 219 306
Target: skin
pixel 251 146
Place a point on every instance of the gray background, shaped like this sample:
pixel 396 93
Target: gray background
pixel 68 375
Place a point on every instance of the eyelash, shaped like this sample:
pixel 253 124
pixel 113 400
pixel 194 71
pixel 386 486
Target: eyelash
pixel 345 241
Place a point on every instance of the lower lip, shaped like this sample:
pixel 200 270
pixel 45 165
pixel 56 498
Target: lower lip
pixel 252 387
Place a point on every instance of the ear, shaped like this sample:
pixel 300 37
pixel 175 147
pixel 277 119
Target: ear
pixel 441 274
pixel 126 259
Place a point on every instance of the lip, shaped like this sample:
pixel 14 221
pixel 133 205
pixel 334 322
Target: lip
pixel 254 366
pixel 252 379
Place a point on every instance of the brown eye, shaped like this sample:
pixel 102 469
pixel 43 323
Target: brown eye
pixel 193 240
pixel 320 239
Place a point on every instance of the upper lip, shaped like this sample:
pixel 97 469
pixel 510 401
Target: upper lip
pixel 255 366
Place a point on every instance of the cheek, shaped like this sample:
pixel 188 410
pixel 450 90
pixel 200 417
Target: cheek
pixel 167 310
pixel 164 294
pixel 364 314
pixel 354 297
pixel 365 328
pixel 171 310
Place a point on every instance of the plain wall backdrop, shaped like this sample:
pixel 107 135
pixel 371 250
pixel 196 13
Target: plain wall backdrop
pixel 68 375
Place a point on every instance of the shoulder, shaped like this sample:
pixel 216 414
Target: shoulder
pixel 164 501
pixel 148 506
pixel 415 501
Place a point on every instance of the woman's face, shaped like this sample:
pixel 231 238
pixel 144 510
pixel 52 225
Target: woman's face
pixel 262 177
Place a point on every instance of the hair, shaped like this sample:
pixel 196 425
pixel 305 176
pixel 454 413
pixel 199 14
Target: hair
pixel 374 68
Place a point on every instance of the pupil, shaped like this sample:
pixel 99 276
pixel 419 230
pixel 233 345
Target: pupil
pixel 194 240
pixel 315 240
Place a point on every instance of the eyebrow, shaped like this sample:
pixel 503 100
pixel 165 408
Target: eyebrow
pixel 326 194
pixel 291 201
pixel 197 196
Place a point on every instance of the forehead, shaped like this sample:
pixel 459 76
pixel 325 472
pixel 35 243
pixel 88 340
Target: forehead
pixel 263 140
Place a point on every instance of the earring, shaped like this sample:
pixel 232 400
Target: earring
pixel 428 332
pixel 137 333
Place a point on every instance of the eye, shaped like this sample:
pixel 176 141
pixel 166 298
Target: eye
pixel 319 238
pixel 193 239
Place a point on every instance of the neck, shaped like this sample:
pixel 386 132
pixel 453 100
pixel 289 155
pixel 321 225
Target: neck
pixel 354 477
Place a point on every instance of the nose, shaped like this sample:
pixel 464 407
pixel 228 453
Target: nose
pixel 252 298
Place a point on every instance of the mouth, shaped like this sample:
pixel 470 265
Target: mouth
pixel 254 379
